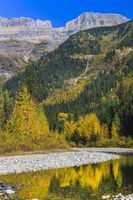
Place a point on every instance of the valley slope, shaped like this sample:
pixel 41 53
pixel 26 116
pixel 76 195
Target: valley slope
pixel 90 72
pixel 24 39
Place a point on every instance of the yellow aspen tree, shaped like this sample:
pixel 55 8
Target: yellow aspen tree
pixel 89 125
pixel 69 127
pixel 25 123
pixel 104 131
pixel 115 130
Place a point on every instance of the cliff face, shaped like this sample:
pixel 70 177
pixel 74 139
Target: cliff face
pixel 90 20
pixel 23 21
pixel 25 29
pixel 38 30
pixel 22 39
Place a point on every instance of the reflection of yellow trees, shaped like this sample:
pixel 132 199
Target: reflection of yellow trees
pixel 87 176
pixel 39 183
pixel 36 183
pixel 67 176
pixel 116 169
pixel 38 187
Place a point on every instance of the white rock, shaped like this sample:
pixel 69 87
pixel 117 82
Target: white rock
pixel 106 197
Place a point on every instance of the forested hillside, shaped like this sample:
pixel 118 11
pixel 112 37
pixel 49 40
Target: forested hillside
pixel 56 69
pixel 85 87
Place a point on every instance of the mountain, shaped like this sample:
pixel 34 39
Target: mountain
pixel 15 54
pixel 91 20
pixel 38 30
pixel 24 39
pixel 91 72
pixel 85 53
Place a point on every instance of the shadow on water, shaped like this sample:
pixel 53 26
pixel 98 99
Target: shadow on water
pixel 77 183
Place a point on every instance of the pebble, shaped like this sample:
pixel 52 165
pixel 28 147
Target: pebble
pixel 118 197
pixel 9 191
pixel 122 197
pixel 35 162
pixel 106 197
pixel 109 150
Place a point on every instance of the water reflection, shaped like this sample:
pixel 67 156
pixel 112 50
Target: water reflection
pixel 79 183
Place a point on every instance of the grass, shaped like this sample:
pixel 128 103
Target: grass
pixel 46 144
pixel 57 143
pixel 121 143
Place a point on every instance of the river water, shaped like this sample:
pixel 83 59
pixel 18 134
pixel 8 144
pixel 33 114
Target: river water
pixel 90 182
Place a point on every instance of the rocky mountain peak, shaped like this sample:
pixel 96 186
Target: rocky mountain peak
pixel 25 38
pixel 89 20
pixel 23 21
pixel 39 30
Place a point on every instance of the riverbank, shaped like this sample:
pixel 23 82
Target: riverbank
pixel 44 161
pixel 109 150
pixel 77 157
pixel 118 197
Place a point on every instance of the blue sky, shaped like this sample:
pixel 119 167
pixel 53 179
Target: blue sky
pixel 60 11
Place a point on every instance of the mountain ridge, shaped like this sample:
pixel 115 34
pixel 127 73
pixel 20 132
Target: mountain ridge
pixel 75 52
pixel 37 27
pixel 91 72
pixel 24 39
pixel 7 22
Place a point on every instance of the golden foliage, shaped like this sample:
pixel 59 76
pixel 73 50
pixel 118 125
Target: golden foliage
pixel 27 123
pixel 39 184
pixel 66 95
pixel 70 127
pixel 115 129
pixel 88 125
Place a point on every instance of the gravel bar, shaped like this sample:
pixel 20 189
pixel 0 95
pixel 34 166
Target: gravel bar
pixel 35 162
pixel 109 150
pixel 122 197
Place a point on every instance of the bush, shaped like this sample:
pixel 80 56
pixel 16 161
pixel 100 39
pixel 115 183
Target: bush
pixel 95 137
pixel 52 141
pixel 119 142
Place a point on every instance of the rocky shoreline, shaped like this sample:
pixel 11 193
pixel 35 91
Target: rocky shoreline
pixel 118 197
pixel 122 197
pixel 35 162
pixel 43 161
pixel 109 150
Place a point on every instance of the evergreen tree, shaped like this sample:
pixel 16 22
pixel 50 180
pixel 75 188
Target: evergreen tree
pixel 6 104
